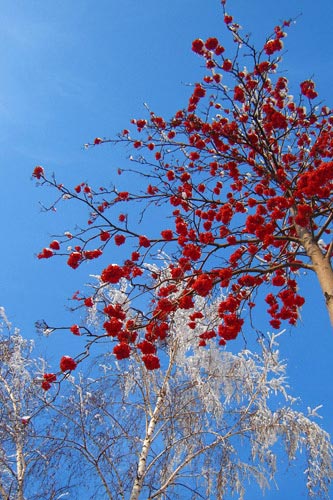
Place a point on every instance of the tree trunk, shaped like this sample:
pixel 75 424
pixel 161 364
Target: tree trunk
pixel 154 418
pixel 20 466
pixel 321 265
pixel 137 486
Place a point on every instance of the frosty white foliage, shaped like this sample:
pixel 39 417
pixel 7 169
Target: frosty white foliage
pixel 208 421
pixel 14 352
pixel 3 319
pixel 243 385
pixel 27 455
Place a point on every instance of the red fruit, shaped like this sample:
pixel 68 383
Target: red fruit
pixel 112 274
pixel 151 361
pixel 167 234
pixel 146 347
pixel 38 172
pixel 198 46
pixel 144 242
pixel 211 43
pixel 104 236
pixel 122 350
pixel 227 65
pixel 46 253
pixel 88 302
pixel 50 377
pixel 55 245
pixel 75 330
pixel 119 239
pixel 67 363
pixel 74 259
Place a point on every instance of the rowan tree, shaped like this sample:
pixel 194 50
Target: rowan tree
pixel 239 183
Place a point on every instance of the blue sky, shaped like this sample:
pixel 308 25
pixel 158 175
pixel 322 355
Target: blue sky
pixel 73 70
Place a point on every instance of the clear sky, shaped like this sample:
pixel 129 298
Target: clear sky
pixel 72 70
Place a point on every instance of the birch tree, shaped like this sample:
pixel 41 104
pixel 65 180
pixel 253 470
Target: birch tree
pixel 202 426
pixel 30 461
